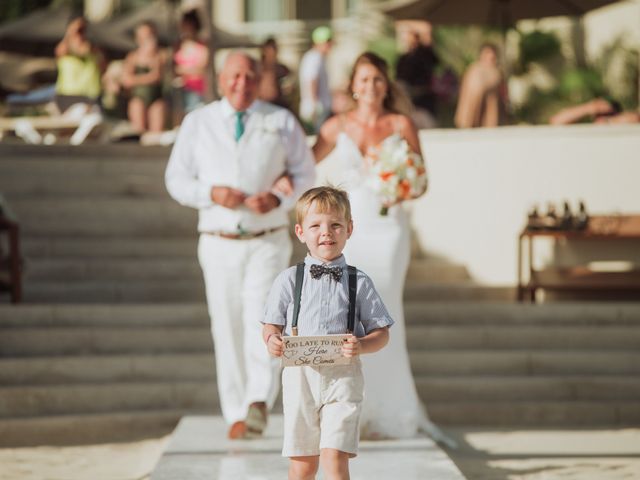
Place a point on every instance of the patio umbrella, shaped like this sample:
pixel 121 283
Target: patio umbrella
pixel 117 34
pixel 498 13
pixel 37 33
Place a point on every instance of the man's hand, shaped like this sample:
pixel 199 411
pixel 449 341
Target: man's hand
pixel 262 202
pixel 227 197
pixel 275 345
pixel 351 348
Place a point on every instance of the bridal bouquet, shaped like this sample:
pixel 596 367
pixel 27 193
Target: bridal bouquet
pixel 395 172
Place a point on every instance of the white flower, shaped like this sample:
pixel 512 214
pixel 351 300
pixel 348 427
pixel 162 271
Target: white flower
pixel 269 125
pixel 394 171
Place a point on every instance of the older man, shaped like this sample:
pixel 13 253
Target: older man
pixel 225 160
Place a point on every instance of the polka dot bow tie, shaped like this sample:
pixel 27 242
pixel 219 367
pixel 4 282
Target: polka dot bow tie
pixel 318 270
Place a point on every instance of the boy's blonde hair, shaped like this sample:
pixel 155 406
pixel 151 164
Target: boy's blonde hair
pixel 327 199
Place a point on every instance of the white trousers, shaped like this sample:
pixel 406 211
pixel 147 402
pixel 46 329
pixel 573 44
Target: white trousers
pixel 238 275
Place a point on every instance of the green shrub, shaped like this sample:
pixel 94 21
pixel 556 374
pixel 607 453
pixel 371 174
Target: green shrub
pixel 537 46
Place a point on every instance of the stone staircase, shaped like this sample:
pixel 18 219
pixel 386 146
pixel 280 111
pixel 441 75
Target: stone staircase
pixel 546 365
pixel 113 339
pixel 80 373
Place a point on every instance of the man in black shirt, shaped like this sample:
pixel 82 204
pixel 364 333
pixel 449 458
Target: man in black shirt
pixel 415 70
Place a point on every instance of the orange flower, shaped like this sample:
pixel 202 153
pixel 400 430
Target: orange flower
pixel 404 188
pixel 384 176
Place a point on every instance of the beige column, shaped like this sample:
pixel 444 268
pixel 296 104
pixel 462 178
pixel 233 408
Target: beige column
pixel 99 10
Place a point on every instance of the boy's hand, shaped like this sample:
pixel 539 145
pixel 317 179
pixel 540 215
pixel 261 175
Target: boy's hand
pixel 275 345
pixel 351 347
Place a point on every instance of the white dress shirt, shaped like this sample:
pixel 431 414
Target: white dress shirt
pixel 313 68
pixel 206 154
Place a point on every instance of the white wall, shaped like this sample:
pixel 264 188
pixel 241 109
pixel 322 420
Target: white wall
pixel 604 25
pixel 483 182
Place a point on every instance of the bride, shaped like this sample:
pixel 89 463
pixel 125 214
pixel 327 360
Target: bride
pixel 379 244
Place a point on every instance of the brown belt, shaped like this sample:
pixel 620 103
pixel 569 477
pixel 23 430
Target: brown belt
pixel 244 235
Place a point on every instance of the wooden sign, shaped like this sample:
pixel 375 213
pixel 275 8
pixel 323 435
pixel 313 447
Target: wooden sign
pixel 316 351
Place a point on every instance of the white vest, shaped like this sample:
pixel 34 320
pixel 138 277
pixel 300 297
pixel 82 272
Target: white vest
pixel 251 165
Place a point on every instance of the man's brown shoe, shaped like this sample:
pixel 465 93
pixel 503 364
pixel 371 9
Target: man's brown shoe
pixel 256 420
pixel 238 430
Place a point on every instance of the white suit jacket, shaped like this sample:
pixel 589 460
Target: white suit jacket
pixel 206 154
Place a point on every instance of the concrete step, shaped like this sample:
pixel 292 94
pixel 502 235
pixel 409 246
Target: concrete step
pixel 40 249
pixel 101 172
pixel 451 345
pixel 515 314
pixel 140 291
pixel 133 362
pixel 457 291
pixel 104 216
pixel 525 363
pixel 192 290
pixel 104 315
pixel 536 413
pixel 80 369
pixel 538 388
pixel 83 184
pixel 131 152
pixel 59 341
pixel 115 291
pixel 91 247
pixel 89 429
pixel 73 269
pixel 63 399
pixel 506 337
pixel 478 319
pixel 74 333
pixel 126 290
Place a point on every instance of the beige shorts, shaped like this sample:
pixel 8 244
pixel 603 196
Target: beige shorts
pixel 322 409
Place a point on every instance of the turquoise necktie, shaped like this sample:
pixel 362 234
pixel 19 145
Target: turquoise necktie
pixel 239 125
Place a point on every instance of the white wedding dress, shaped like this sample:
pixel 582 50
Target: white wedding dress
pixel 380 247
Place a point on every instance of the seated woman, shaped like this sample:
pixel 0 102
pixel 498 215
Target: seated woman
pixel 191 60
pixel 79 65
pixel 142 76
pixel 75 95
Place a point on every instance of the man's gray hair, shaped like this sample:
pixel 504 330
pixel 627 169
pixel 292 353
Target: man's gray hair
pixel 255 65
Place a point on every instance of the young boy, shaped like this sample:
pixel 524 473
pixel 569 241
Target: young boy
pixel 322 404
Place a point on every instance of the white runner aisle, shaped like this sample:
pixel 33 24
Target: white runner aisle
pixel 199 450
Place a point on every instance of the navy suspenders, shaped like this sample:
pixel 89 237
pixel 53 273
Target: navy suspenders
pixel 296 298
pixel 353 289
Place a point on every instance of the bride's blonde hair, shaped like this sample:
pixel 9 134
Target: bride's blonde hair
pixel 395 101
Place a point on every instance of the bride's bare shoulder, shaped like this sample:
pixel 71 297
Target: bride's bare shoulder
pixel 402 122
pixel 332 127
